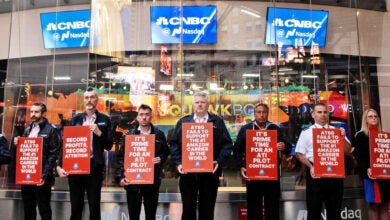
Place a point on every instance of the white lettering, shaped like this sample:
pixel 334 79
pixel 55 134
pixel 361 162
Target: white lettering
pixel 294 23
pixel 185 20
pixel 68 25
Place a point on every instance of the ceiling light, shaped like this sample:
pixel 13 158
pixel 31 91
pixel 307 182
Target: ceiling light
pixel 185 74
pixel 250 75
pixel 284 69
pixel 62 78
pixel 250 13
pixel 309 76
pixel 166 87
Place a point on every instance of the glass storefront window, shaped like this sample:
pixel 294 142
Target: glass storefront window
pixel 238 71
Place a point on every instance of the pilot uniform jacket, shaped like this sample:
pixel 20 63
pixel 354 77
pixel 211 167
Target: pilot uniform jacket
pixel 99 144
pixel 221 139
pixel 161 150
pixel 34 196
pixel 240 144
pixel 50 146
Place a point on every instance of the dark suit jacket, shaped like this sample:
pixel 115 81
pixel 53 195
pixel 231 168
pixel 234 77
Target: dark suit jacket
pixel 221 139
pixel 51 146
pixel 240 144
pixel 99 144
pixel 161 150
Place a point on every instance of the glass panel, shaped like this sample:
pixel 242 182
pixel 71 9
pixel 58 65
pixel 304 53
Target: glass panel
pixel 38 75
pixel 243 72
pixel 127 69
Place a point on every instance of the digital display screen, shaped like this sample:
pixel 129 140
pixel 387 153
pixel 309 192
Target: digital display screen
pixel 187 24
pixel 296 27
pixel 67 29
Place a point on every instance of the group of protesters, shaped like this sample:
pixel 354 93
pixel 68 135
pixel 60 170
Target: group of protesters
pixel 198 189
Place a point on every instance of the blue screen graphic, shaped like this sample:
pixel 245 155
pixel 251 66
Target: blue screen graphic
pixel 66 29
pixel 197 26
pixel 296 27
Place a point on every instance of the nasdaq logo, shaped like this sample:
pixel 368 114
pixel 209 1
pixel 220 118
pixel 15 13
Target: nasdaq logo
pixel 66 29
pixel 346 213
pixel 296 27
pixel 177 21
pixel 187 24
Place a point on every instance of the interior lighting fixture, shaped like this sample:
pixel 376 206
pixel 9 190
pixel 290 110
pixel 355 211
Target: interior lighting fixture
pixel 166 87
pixel 250 13
pixel 62 78
pixel 250 75
pixel 309 76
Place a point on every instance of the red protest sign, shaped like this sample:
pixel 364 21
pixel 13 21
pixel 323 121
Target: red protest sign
pixel 328 152
pixel 76 149
pixel 29 160
pixel 242 212
pixel 197 147
pixel 139 154
pixel 261 155
pixel 380 154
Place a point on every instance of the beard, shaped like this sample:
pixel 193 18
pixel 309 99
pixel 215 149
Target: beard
pixel 89 107
pixel 35 119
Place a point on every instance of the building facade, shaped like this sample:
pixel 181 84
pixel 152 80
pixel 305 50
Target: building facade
pixel 132 56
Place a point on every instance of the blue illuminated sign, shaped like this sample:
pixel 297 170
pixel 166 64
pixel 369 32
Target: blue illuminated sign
pixel 192 25
pixel 66 29
pixel 296 27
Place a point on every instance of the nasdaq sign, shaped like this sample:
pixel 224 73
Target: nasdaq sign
pixel 187 24
pixel 66 29
pixel 296 27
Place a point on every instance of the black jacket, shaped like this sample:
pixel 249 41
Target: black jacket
pixel 99 144
pixel 362 153
pixel 5 153
pixel 240 144
pixel 221 139
pixel 161 150
pixel 51 146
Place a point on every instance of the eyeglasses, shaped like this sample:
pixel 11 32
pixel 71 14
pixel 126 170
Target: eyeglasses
pixel 372 116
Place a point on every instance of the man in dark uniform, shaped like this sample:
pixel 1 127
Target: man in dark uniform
pixel 100 126
pixel 257 189
pixel 320 190
pixel 40 194
pixel 200 189
pixel 149 192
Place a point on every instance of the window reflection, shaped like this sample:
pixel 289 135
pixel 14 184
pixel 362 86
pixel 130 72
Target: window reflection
pixel 288 79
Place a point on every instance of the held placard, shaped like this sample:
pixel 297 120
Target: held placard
pixel 328 152
pixel 138 158
pixel 197 147
pixel 261 155
pixel 76 149
pixel 29 160
pixel 379 154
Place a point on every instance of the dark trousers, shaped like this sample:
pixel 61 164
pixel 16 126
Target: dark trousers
pixel 92 184
pixel 258 192
pixel 326 190
pixel 37 195
pixel 134 201
pixel 200 187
